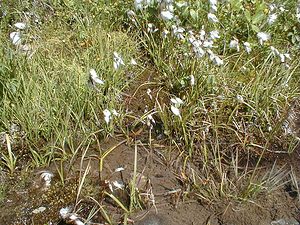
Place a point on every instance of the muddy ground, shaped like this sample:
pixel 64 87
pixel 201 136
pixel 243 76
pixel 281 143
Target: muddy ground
pixel 163 200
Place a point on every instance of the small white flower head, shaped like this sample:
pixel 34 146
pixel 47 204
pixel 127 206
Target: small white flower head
pixel 170 7
pixel 107 115
pixel 214 58
pixel 118 185
pixel 64 212
pixel 192 39
pixel 272 7
pixel 130 13
pixel 247 47
pixel 218 61
pixel 283 57
pixel 118 61
pixel 94 77
pixel 115 113
pixel 14 128
pixel 166 15
pixel 196 43
pixel 139 4
pixel 149 93
pixel 213 2
pixel 133 62
pixel 177 101
pixel 210 54
pixel 212 18
pixel 298 13
pixel 76 220
pixel 198 51
pixel 213 8
pixel 178 32
pixel 181 4
pixel 272 18
pixel 244 69
pixel 192 79
pixel 119 169
pixel 150 118
pixel 15 38
pixel 27 49
pixel 214 34
pixel 191 32
pixel 175 104
pixel 47 176
pixel 282 9
pixel 39 210
pixel 269 128
pixel 288 56
pixel 107 182
pixel 151 28
pixel 20 25
pixel 213 5
pixel 234 44
pixel 202 34
pixel 175 111
pixel 274 50
pixel 262 37
pixel 208 44
pixel 165 33
pixel 93 73
pixel 168 2
pixel 240 98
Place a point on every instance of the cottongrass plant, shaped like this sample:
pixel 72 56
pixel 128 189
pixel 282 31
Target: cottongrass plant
pixel 184 52
pixel 236 89
pixel 58 94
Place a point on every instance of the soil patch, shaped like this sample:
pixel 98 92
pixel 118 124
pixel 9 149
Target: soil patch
pixel 162 200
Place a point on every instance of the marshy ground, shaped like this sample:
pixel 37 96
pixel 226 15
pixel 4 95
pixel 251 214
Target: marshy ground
pixel 149 112
pixel 163 196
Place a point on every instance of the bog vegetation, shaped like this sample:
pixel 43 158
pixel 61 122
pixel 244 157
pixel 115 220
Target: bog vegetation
pixel 224 94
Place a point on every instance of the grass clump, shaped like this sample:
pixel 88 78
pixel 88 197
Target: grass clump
pixel 223 83
pixel 50 93
pixel 229 86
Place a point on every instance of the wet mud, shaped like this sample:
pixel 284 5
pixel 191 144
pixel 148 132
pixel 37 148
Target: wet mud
pixel 162 200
